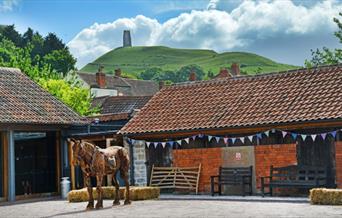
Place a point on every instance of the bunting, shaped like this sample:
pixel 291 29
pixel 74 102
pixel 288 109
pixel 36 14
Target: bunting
pixel 233 139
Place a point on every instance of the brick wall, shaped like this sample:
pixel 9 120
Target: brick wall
pixel 276 155
pixel 338 153
pixel 210 158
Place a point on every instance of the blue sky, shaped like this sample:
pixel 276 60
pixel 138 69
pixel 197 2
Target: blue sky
pixel 282 30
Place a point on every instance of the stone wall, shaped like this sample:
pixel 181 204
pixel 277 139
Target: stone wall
pixel 140 176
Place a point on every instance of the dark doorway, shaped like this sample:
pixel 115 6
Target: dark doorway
pixel 35 162
pixel 1 165
pixel 318 153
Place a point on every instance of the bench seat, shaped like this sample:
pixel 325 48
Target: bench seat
pixel 232 176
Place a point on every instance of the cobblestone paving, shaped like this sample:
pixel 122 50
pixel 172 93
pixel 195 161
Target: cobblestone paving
pixel 170 208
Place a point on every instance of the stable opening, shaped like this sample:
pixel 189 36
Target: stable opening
pixel 35 163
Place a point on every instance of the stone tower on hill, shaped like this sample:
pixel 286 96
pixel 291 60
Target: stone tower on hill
pixel 127 41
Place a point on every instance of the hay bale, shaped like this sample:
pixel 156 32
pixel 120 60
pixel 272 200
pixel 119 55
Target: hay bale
pixel 326 196
pixel 136 193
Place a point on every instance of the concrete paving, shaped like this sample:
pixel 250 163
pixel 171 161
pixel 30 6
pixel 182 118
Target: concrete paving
pixel 171 208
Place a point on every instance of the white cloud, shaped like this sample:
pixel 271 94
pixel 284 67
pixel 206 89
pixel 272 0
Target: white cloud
pixel 8 5
pixel 243 26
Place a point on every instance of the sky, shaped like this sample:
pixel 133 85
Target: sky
pixel 282 30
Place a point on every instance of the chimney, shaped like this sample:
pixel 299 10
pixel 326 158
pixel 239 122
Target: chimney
pixel 161 84
pixel 192 76
pixel 224 73
pixel 101 78
pixel 118 72
pixel 235 69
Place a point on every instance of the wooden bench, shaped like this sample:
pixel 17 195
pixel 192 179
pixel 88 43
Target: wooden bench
pixel 232 176
pixel 294 176
pixel 176 177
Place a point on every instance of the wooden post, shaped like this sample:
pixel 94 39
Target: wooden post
pixel 4 141
pixel 58 161
pixel 72 168
pixel 109 177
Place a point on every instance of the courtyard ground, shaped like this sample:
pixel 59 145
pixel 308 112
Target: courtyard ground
pixel 168 206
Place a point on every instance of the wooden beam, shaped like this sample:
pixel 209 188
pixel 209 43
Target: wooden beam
pixel 4 142
pixel 72 168
pixel 58 161
pixel 236 130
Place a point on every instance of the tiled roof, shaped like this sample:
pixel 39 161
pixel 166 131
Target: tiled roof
pixel 276 98
pixel 23 101
pixel 120 104
pixel 130 87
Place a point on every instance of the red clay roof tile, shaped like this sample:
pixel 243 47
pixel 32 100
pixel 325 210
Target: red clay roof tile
pixel 293 96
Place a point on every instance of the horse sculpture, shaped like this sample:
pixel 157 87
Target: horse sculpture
pixel 97 162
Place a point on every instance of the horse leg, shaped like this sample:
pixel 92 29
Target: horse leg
pixel 117 188
pixel 99 203
pixel 124 175
pixel 90 192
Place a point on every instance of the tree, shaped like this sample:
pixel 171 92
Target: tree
pixel 184 72
pixel 27 37
pixel 60 60
pixel 150 73
pixel 327 56
pixel 11 34
pixel 51 43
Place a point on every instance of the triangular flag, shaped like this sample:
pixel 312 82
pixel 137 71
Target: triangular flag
pixel 233 140
pixel 242 139
pixel 163 144
pixel 156 144
pixel 217 139
pixel 324 135
pixel 179 142
pixel 200 135
pixel 171 143
pixel 148 144
pixel 209 138
pixel 186 140
pixel 267 133
pixel 294 136
pixel 193 137
pixel 333 134
pixel 259 135
pixel 303 137
pixel 273 130
pixel 284 133
pixel 313 137
pixel 250 138
pixel 225 139
pixel 132 141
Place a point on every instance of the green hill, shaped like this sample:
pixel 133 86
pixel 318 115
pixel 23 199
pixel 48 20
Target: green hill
pixel 134 60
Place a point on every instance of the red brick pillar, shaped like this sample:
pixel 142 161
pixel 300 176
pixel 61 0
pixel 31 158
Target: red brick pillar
pixel 338 159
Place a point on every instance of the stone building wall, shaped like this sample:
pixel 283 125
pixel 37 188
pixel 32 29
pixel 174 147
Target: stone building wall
pixel 140 175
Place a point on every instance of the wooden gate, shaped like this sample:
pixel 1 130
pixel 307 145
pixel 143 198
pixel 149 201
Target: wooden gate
pixel 175 177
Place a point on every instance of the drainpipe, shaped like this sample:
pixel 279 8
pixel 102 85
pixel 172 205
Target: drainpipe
pixel 11 166
pixel 131 154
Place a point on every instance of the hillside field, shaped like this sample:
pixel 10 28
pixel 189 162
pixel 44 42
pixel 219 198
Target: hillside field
pixel 134 60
